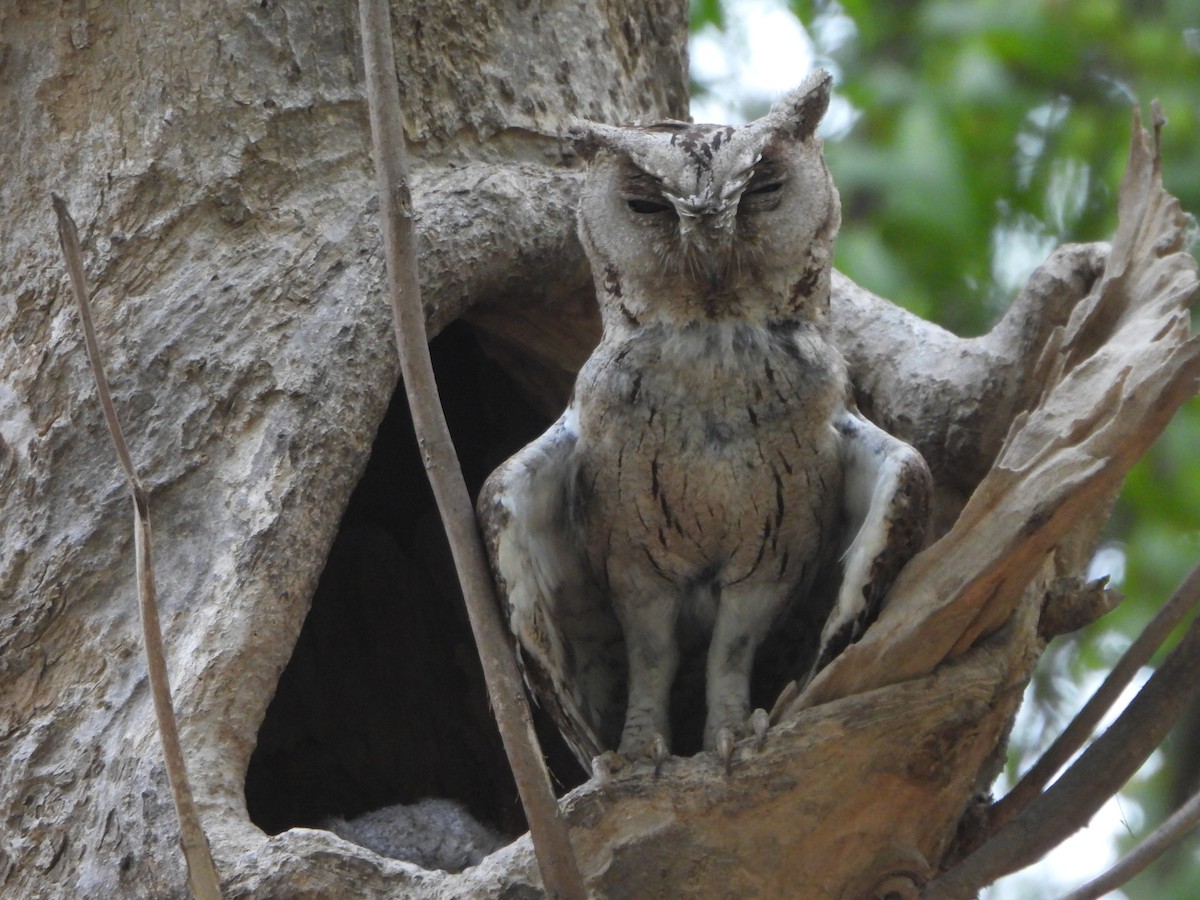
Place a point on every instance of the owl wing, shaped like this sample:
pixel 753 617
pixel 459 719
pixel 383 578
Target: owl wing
pixel 885 507
pixel 568 641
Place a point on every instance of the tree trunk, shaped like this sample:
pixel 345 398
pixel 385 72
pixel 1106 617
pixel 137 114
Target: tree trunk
pixel 217 160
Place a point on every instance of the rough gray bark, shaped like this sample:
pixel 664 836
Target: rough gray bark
pixel 217 160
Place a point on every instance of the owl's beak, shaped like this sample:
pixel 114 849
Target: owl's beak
pixel 706 233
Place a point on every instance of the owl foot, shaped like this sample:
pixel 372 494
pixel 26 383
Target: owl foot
pixel 603 767
pixel 726 738
pixel 654 749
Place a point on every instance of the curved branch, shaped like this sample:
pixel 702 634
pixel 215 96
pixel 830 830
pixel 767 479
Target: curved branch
pixel 560 872
pixel 951 397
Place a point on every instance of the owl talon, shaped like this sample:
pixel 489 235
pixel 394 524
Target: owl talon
pixel 653 749
pixel 658 752
pixel 603 767
pixel 724 748
pixel 759 723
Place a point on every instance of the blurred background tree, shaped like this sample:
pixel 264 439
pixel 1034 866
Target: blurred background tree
pixel 968 139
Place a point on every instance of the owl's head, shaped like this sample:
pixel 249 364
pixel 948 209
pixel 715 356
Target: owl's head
pixel 709 222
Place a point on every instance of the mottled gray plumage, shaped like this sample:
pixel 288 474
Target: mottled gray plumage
pixel 433 833
pixel 711 464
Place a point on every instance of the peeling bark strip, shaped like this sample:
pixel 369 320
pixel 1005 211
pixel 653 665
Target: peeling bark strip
pixel 1109 379
pixel 202 874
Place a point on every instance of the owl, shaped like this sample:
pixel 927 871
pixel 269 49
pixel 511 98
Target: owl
pixel 711 488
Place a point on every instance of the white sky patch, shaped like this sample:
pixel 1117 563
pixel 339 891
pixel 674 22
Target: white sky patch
pixel 1040 123
pixel 1109 561
pixel 1067 193
pixel 1021 241
pixel 1020 244
pixel 763 53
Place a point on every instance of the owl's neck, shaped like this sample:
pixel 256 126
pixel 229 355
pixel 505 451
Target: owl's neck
pixel 803 299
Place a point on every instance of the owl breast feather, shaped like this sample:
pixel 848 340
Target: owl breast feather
pixel 707 454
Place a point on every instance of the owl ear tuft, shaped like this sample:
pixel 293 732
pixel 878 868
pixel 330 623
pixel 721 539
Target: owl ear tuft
pixel 799 112
pixel 589 138
pixel 581 134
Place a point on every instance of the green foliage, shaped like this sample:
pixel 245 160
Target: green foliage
pixel 981 115
pixel 706 12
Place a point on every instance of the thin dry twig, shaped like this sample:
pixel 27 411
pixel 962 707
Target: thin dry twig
pixel 560 872
pixel 1155 845
pixel 1076 734
pixel 1098 774
pixel 202 873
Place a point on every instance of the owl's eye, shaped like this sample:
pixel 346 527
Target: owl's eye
pixel 762 196
pixel 647 207
pixel 769 188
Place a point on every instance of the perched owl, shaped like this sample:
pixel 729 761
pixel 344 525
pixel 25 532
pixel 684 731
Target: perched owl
pixel 711 483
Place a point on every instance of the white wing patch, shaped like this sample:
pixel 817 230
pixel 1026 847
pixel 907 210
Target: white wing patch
pixel 885 500
pixel 568 641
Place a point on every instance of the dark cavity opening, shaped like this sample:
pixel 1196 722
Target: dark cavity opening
pixel 383 701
